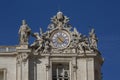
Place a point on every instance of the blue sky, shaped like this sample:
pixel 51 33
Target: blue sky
pixel 103 15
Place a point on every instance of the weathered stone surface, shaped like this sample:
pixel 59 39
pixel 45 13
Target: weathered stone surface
pixel 60 51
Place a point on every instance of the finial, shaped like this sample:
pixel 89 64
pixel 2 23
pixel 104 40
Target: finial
pixel 41 32
pixel 59 15
pixel 92 30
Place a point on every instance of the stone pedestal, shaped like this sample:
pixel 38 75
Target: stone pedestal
pixel 23 62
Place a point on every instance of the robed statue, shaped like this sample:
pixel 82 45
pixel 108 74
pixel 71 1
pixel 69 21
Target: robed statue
pixel 24 33
pixel 93 39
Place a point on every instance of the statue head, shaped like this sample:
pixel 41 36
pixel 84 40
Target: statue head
pixel 23 22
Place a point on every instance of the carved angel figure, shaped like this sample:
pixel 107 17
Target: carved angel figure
pixel 38 42
pixel 46 47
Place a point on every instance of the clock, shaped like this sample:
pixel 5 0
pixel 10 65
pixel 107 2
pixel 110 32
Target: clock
pixel 60 39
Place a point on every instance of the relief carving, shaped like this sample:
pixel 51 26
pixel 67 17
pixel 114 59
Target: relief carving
pixel 43 44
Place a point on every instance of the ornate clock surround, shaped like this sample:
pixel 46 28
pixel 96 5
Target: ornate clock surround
pixel 60 38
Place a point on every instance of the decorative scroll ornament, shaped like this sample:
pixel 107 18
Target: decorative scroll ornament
pixel 22 57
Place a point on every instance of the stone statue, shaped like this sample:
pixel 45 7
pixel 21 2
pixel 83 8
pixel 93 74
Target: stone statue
pixel 76 33
pixel 93 39
pixel 80 46
pixel 76 38
pixel 38 42
pixel 24 32
pixel 84 44
pixel 46 47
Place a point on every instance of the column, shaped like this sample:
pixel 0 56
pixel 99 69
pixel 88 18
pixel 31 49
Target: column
pixel 4 73
pixel 47 68
pixel 90 69
pixel 18 68
pixel 74 68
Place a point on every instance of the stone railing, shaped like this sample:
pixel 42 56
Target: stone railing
pixel 7 49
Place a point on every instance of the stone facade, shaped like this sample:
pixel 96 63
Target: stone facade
pixel 60 53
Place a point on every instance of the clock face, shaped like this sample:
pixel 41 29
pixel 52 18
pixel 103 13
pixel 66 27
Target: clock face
pixel 60 39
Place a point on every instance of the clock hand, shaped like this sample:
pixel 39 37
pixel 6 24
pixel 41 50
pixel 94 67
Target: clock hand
pixel 60 39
